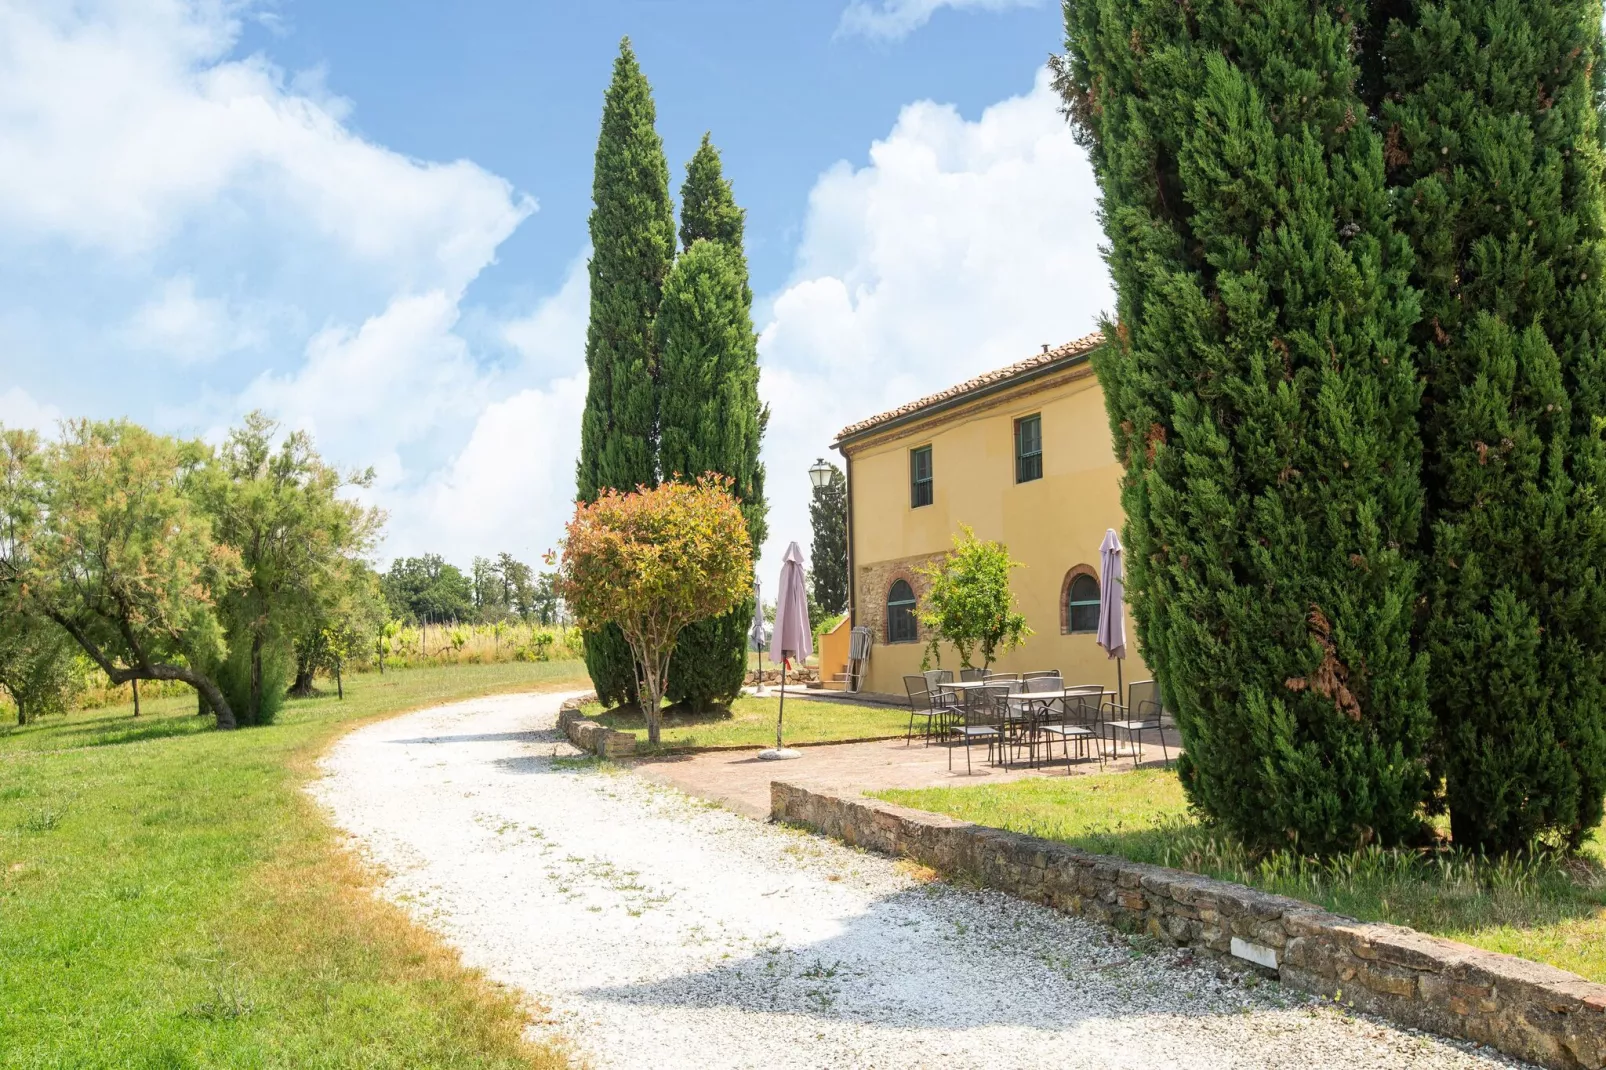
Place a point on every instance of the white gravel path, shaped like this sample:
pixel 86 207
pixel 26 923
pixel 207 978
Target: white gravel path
pixel 666 933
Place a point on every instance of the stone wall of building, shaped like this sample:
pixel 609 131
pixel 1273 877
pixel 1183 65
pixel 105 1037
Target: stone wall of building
pixel 1522 1008
pixel 874 580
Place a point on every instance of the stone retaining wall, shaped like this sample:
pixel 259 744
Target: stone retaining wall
pixel 588 735
pixel 1523 1008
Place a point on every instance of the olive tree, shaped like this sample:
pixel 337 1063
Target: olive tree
pixel 652 562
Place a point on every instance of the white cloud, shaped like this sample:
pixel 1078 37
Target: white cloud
pixel 188 328
pixel 510 488
pixel 221 206
pixel 891 19
pixel 400 377
pixel 137 123
pixel 962 246
pixel 511 484
pixel 19 409
pixel 553 335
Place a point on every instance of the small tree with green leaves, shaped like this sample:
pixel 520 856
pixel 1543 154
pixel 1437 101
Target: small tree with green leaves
pixel 969 604
pixel 37 667
pixel 652 562
pixel 101 539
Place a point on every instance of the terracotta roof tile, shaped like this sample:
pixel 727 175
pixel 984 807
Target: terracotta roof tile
pixel 1081 345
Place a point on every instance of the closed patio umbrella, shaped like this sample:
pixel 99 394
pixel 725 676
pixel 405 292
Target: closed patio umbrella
pixel 1112 604
pixel 755 634
pixel 793 638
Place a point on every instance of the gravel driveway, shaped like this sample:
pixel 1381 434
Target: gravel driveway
pixel 664 932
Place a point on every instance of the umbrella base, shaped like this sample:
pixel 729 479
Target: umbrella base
pixel 778 754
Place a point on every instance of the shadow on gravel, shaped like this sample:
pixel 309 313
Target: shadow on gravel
pixel 484 737
pixel 943 957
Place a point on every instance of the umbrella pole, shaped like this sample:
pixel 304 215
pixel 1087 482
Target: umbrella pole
pixel 780 714
pixel 1120 690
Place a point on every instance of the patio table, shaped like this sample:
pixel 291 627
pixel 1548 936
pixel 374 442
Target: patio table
pixel 1027 699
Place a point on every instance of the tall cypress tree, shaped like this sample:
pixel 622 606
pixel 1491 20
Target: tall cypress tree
pixel 1491 116
pixel 710 417
pixel 632 248
pixel 828 556
pixel 708 207
pixel 1263 398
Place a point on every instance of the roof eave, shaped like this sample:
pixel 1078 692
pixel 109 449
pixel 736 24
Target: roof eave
pixel 987 390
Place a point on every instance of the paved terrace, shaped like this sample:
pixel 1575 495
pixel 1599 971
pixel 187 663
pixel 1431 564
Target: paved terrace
pixel 739 780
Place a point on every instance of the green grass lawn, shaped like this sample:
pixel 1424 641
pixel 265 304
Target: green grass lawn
pixel 751 722
pixel 1552 911
pixel 170 898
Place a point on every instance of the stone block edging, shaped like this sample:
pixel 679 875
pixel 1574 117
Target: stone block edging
pixel 588 735
pixel 1525 1009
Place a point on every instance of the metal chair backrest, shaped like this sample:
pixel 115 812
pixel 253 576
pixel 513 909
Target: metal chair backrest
pixel 1085 702
pixel 1041 675
pixel 987 704
pixel 972 675
pixel 1152 712
pixel 919 694
pixel 933 677
pixel 1043 683
pixel 1140 693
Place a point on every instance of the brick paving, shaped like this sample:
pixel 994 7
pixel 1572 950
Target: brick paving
pixel 738 780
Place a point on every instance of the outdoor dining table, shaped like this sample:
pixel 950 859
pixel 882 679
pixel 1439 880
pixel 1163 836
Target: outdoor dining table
pixel 1026 699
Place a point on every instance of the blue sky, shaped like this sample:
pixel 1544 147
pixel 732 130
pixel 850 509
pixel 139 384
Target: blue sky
pixel 370 220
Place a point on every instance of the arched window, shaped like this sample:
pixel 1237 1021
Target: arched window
pixel 1082 604
pixel 901 626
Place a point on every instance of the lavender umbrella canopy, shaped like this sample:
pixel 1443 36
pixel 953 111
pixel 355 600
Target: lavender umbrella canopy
pixel 1112 602
pixel 793 637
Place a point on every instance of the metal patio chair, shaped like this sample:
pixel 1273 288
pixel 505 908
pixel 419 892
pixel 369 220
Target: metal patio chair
pixel 982 718
pixel 1079 720
pixel 1143 712
pixel 924 705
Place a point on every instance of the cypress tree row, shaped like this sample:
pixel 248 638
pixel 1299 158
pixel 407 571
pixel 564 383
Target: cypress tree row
pixel 710 417
pixel 633 244
pixel 1263 398
pixel 1493 138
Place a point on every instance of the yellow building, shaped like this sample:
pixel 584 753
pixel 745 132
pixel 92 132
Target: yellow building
pixel 1022 455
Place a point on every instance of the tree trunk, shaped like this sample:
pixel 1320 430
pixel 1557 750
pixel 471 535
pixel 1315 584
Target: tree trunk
pixel 213 697
pixel 135 686
pixel 649 693
pixel 201 706
pixel 22 714
pixel 340 688
pixel 302 688
pixel 256 680
pixel 148 671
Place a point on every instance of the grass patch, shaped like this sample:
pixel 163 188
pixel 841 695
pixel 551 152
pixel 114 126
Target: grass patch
pixel 750 722
pixel 1548 909
pixel 170 898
